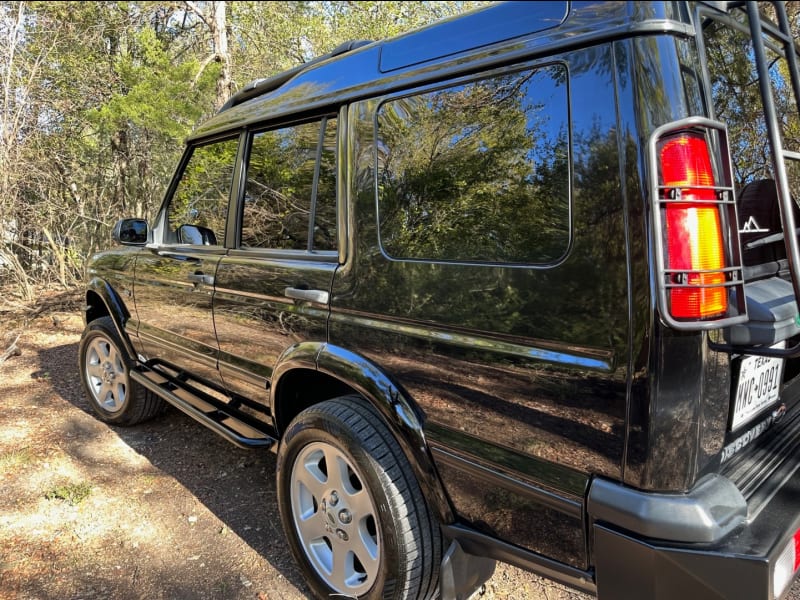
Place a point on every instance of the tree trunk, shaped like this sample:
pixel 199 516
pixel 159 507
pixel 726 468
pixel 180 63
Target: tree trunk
pixel 119 148
pixel 219 34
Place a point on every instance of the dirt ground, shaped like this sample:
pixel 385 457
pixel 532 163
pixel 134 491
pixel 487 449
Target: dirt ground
pixel 164 510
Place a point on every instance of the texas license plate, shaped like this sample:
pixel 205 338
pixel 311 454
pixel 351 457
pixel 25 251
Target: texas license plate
pixel 759 386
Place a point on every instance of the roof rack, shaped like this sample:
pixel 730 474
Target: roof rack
pixel 262 86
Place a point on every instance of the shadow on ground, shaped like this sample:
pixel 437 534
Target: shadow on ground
pixel 234 485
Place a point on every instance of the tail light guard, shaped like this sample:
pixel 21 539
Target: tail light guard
pixel 699 274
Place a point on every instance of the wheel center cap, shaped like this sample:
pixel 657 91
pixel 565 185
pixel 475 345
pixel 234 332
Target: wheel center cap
pixel 328 516
pixel 335 518
pixel 108 372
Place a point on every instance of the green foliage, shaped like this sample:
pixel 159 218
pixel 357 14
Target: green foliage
pixel 71 493
pixel 154 94
pixel 100 95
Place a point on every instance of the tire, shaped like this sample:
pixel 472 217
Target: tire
pixel 362 530
pixel 105 374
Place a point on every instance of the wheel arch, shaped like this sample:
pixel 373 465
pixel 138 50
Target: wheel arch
pixel 310 373
pixel 103 301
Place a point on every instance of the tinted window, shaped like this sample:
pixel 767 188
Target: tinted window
pixel 477 172
pixel 199 206
pixel 291 182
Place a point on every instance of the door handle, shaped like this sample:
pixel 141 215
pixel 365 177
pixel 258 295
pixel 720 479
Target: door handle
pixel 316 296
pixel 200 278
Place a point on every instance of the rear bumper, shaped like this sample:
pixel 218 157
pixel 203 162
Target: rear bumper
pixel 740 565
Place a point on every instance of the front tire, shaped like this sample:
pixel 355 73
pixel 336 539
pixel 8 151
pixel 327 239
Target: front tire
pixel 353 512
pixel 105 374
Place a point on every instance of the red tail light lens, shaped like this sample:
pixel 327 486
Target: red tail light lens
pixel 693 229
pixel 796 540
pixel 786 565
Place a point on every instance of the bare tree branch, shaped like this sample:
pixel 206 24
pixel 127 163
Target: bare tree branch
pixel 198 11
pixel 208 60
pixel 12 350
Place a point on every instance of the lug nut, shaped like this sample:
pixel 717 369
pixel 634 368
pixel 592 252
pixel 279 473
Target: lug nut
pixel 345 516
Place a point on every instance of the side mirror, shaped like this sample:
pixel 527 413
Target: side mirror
pixel 196 235
pixel 130 232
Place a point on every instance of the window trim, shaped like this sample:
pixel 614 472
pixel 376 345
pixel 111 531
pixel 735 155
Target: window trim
pixel 309 253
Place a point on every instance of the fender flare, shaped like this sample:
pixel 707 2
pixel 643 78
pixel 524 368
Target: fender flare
pixel 399 412
pixel 114 308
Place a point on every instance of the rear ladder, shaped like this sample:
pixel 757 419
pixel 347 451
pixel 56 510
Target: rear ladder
pixel 780 155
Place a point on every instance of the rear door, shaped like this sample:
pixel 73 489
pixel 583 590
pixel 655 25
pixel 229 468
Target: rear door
pixel 272 288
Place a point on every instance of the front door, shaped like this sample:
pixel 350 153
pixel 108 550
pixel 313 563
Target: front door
pixel 175 274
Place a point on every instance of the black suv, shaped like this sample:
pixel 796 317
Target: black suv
pixel 517 286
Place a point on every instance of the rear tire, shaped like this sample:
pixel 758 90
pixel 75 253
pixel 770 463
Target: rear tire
pixel 105 374
pixel 352 510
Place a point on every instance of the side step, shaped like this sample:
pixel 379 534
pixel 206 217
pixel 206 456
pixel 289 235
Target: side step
pixel 202 408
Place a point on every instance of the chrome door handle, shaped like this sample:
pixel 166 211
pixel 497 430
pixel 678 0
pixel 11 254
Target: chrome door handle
pixel 316 296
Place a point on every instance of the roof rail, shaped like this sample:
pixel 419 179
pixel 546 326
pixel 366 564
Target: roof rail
pixel 262 86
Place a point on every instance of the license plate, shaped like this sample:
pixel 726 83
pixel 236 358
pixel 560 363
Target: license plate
pixel 759 386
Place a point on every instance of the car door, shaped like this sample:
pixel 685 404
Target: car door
pixel 272 287
pixel 175 274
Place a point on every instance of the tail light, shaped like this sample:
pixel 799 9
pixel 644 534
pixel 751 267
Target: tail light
pixel 786 565
pixel 695 226
pixel 693 230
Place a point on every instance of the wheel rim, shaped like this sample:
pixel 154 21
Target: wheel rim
pixel 335 519
pixel 106 375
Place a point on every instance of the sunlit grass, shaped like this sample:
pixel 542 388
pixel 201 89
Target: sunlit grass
pixel 13 459
pixel 72 493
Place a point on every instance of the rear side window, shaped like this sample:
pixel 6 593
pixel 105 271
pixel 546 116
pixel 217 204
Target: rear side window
pixel 290 190
pixel 477 172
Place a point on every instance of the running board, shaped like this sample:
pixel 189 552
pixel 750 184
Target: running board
pixel 231 428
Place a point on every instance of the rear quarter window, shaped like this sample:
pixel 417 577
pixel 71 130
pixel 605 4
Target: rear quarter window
pixel 478 171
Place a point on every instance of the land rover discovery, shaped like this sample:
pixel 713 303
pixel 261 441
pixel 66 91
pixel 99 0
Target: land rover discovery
pixel 518 286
